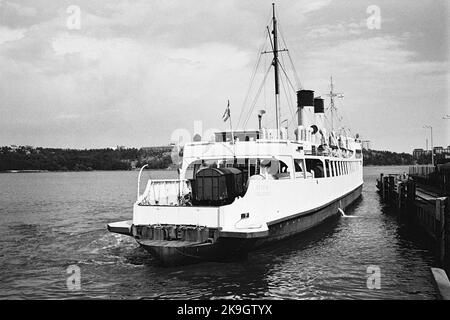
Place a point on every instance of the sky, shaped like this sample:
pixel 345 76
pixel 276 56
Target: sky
pixel 94 74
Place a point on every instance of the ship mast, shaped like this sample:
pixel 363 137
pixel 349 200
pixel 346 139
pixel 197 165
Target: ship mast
pixel 276 64
pixel 276 67
pixel 333 95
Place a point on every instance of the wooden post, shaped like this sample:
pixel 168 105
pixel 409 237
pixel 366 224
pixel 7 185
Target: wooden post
pixel 440 216
pixel 385 188
pixel 391 183
pixel 401 195
pixel 411 196
pixel 446 232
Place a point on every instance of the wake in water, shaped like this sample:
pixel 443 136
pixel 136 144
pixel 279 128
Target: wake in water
pixel 344 215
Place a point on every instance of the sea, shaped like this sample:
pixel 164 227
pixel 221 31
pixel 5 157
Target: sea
pixel 54 245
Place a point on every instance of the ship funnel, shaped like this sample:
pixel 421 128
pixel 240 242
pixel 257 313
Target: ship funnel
pixel 319 113
pixel 305 98
pixel 319 105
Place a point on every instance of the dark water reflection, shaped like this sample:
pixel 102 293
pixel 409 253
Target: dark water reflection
pixel 52 220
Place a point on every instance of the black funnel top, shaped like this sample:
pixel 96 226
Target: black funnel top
pixel 305 98
pixel 318 105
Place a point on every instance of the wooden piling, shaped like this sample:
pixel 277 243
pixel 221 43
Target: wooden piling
pixel 440 216
pixel 391 185
pixel 401 196
pixel 385 189
pixel 422 206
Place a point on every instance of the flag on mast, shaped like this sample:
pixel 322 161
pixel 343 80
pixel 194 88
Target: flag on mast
pixel 227 113
pixel 225 117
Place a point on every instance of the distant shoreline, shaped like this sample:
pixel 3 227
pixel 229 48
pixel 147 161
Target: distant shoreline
pixel 70 171
pixel 166 169
pixel 27 159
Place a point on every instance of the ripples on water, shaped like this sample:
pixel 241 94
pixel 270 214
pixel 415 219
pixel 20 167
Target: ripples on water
pixel 49 221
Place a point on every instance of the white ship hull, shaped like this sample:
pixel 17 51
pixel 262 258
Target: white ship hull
pixel 231 246
pixel 273 209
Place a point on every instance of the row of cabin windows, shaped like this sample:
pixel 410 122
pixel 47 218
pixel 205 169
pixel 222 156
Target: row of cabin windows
pixel 304 168
pixel 315 168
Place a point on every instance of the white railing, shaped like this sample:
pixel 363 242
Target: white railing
pixel 164 192
pixel 139 181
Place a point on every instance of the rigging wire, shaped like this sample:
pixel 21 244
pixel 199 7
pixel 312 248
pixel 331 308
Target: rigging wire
pixel 288 97
pixel 285 73
pixel 289 102
pixel 297 78
pixel 256 97
pixel 255 71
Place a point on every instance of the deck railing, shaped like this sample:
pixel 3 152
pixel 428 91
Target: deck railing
pixel 164 192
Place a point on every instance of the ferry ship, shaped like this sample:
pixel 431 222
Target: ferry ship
pixel 248 188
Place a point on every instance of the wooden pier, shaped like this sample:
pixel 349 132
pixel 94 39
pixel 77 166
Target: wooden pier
pixel 427 206
pixel 420 205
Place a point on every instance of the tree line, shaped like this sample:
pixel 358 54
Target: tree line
pixel 51 159
pixel 386 158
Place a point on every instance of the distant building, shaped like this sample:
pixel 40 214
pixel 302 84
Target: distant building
pixel 440 154
pixel 420 152
pixel 438 150
pixel 366 144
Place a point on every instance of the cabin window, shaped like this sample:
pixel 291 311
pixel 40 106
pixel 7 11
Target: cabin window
pixel 315 167
pixel 274 169
pixel 358 154
pixel 283 171
pixel 299 168
pixel 327 168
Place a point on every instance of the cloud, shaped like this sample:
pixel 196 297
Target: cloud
pixel 137 70
pixel 384 84
pixel 7 34
pixel 310 6
pixel 340 30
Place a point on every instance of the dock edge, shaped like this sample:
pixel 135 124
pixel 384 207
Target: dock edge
pixel 442 283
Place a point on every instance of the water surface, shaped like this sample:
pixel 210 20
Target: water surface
pixel 49 221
